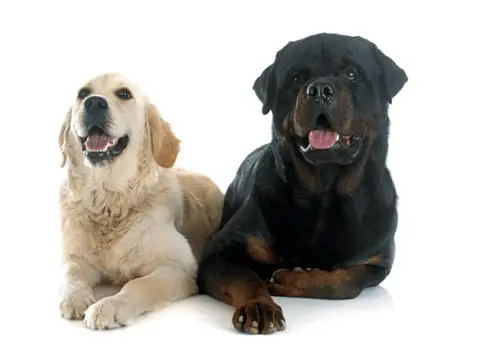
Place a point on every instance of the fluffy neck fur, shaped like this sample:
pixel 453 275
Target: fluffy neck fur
pixel 113 191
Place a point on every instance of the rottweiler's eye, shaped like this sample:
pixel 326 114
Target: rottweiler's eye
pixel 296 79
pixel 124 94
pixel 83 93
pixel 351 74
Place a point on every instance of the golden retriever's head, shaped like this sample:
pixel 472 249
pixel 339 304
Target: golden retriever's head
pixel 112 122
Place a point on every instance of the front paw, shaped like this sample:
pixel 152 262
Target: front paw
pixel 292 283
pixel 259 317
pixel 110 312
pixel 74 304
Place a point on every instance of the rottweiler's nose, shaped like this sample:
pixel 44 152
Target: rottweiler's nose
pixel 320 90
pixel 95 104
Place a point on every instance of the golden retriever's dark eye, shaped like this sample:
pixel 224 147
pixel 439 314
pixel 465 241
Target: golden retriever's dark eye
pixel 351 74
pixel 83 93
pixel 124 94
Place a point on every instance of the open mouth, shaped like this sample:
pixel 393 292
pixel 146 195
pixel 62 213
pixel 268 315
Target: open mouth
pixel 322 139
pixel 98 146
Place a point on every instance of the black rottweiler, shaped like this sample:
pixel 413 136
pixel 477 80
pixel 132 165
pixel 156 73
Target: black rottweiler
pixel 313 213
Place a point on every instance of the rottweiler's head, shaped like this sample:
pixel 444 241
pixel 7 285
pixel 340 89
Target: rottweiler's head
pixel 329 94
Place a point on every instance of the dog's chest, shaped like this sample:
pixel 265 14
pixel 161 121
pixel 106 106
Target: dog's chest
pixel 117 253
pixel 114 247
pixel 314 233
pixel 120 261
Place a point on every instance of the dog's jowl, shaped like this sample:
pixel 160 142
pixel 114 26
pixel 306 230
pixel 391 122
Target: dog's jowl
pixel 313 213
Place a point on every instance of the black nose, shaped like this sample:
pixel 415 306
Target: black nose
pixel 95 112
pixel 95 104
pixel 320 90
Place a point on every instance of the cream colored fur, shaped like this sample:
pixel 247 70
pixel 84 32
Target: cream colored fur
pixel 126 222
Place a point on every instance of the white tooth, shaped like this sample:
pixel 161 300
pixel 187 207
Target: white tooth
pixel 305 149
pixel 337 137
pixel 99 150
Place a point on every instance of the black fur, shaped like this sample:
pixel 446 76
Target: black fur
pixel 334 210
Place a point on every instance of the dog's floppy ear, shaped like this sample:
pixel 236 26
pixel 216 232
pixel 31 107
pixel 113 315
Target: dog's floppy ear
pixel 63 134
pixel 164 144
pixel 393 77
pixel 264 87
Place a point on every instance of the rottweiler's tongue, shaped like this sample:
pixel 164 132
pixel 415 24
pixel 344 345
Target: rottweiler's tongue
pixel 97 141
pixel 322 138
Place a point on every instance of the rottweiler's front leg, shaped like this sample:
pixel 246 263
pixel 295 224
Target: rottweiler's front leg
pixel 230 272
pixel 237 285
pixel 344 283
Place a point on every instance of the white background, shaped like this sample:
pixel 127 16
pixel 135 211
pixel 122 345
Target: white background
pixel 197 62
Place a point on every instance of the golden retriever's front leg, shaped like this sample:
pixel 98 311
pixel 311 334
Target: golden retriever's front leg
pixel 158 289
pixel 77 288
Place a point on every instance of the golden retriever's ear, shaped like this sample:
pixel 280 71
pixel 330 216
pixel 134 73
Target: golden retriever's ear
pixel 63 134
pixel 164 144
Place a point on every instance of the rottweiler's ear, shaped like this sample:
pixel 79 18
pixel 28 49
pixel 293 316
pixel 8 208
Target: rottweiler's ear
pixel 394 77
pixel 63 136
pixel 264 88
pixel 165 145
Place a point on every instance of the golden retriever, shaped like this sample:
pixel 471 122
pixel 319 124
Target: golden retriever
pixel 127 216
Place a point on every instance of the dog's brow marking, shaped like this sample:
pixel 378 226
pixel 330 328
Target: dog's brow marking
pixel 373 260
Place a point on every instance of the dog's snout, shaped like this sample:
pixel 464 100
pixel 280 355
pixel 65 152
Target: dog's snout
pixel 320 90
pixel 95 103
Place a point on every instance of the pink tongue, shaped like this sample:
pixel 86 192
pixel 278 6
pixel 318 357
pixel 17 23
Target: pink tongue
pixel 322 139
pixel 97 142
